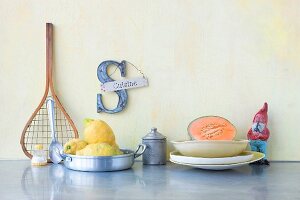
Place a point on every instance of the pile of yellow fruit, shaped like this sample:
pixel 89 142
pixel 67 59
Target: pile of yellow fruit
pixel 99 140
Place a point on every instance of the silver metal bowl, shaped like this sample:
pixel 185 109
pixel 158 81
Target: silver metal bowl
pixel 103 163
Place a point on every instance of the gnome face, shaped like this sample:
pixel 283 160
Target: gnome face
pixel 258 126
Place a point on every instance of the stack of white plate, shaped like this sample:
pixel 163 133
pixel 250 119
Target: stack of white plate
pixel 213 155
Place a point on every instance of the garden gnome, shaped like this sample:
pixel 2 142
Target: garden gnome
pixel 259 133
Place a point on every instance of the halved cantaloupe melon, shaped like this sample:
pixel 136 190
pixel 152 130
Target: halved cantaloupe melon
pixel 211 128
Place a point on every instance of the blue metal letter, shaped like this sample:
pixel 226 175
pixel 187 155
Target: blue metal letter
pixel 103 78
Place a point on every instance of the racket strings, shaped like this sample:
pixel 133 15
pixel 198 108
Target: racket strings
pixel 39 132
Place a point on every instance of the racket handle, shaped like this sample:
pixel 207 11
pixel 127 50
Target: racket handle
pixel 50 108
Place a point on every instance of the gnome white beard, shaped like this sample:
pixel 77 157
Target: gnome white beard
pixel 258 127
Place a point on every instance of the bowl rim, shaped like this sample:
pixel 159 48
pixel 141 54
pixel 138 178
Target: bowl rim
pixel 127 153
pixel 210 141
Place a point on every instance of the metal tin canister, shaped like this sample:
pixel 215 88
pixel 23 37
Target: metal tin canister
pixel 155 153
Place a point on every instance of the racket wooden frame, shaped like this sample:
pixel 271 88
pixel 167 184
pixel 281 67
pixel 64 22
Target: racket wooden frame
pixel 49 84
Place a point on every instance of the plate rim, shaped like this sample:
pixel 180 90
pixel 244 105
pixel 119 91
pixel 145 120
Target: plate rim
pixel 259 157
pixel 249 153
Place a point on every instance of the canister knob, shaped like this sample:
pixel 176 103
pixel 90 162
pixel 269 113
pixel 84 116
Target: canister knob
pixel 154 135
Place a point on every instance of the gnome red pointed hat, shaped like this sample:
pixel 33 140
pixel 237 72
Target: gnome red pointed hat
pixel 262 115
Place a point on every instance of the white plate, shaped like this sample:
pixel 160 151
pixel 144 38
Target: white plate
pixel 256 156
pixel 243 157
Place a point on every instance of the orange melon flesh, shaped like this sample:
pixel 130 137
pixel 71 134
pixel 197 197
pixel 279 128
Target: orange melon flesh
pixel 211 128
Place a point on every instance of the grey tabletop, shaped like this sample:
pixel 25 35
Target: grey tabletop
pixel 19 180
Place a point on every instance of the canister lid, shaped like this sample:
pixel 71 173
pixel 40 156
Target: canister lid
pixel 154 135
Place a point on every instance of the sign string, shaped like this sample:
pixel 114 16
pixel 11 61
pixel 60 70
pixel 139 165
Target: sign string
pixel 130 64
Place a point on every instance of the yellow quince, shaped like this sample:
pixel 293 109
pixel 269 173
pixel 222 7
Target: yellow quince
pixel 98 131
pixel 74 145
pixel 99 149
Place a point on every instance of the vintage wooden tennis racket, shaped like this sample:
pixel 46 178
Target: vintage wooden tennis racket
pixel 37 129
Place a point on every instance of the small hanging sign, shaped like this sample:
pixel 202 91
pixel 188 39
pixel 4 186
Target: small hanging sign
pixel 124 84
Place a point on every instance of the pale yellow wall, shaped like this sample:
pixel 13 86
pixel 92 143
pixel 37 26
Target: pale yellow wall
pixel 201 57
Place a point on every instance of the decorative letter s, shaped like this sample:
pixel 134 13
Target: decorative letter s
pixel 103 78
